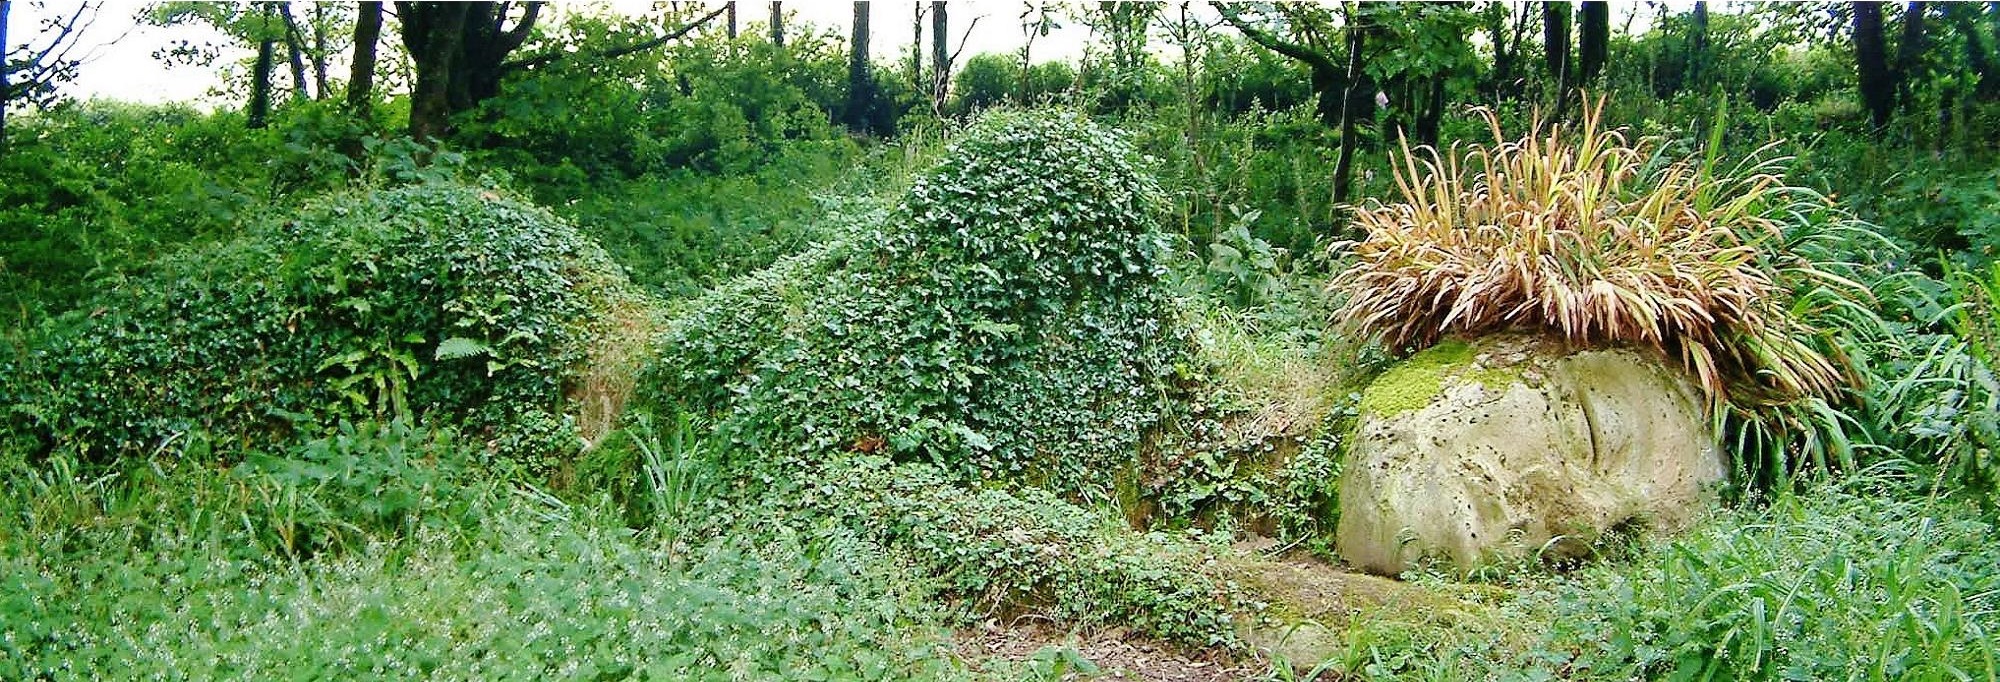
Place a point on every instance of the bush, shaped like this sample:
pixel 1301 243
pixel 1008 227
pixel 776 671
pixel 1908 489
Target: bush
pixel 1935 399
pixel 1027 553
pixel 1002 321
pixel 437 299
pixel 1596 241
pixel 937 376
pixel 90 191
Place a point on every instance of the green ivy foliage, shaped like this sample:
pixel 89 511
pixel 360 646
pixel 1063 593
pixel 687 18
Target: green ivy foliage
pixel 1027 552
pixel 445 299
pixel 1003 320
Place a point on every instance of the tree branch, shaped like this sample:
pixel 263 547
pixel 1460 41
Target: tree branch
pixel 513 38
pixel 962 38
pixel 1312 58
pixel 616 51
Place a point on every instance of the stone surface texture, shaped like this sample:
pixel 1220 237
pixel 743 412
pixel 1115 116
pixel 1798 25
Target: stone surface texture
pixel 1515 446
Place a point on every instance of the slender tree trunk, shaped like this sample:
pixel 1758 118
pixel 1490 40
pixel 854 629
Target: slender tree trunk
pixel 940 57
pixel 361 78
pixel 1594 42
pixel 1503 56
pixel 1343 169
pixel 295 49
pixel 860 84
pixel 1555 44
pixel 6 84
pixel 1878 90
pixel 1028 34
pixel 1432 118
pixel 1697 62
pixel 778 24
pixel 260 76
pixel 320 88
pixel 731 8
pixel 917 45
pixel 1910 52
pixel 1978 46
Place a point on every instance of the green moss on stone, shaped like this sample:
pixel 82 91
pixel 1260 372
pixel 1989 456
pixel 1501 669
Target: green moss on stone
pixel 1415 382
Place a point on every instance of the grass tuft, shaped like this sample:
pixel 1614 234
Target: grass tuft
pixel 1582 232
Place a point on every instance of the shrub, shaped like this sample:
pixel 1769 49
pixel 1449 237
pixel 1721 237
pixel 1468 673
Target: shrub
pixel 1002 321
pixel 1935 398
pixel 937 376
pixel 1027 553
pixel 1597 240
pixel 435 298
pixel 93 190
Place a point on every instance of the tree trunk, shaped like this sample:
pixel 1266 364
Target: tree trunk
pixel 1878 90
pixel 1432 118
pixel 1343 169
pixel 1978 47
pixel 361 78
pixel 1503 57
pixel 778 24
pixel 260 76
pixel 320 88
pixel 1594 41
pixel 860 84
pixel 917 45
pixel 940 57
pixel 459 51
pixel 295 49
pixel 1697 62
pixel 433 35
pixel 1555 45
pixel 1910 53
pixel 6 85
pixel 731 7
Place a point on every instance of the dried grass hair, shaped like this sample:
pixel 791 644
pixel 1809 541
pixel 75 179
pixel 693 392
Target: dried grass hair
pixel 1602 240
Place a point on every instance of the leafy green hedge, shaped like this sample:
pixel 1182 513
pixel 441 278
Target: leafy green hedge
pixel 434 298
pixel 1019 552
pixel 1003 320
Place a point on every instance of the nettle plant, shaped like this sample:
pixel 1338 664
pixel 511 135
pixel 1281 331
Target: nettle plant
pixel 1003 320
pixel 457 302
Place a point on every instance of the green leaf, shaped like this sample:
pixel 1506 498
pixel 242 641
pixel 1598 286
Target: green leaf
pixel 459 348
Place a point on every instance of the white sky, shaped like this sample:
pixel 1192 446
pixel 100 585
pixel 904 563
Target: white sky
pixel 121 65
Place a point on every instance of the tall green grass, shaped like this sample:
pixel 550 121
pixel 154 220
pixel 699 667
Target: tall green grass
pixel 380 555
pixel 1867 580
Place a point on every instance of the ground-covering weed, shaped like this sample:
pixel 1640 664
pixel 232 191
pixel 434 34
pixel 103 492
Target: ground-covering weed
pixel 182 571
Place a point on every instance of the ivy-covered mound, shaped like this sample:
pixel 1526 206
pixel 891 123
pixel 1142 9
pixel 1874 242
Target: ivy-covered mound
pixel 1004 320
pixel 945 372
pixel 452 301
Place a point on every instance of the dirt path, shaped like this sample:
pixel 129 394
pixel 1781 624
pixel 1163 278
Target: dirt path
pixel 1312 604
pixel 1105 656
